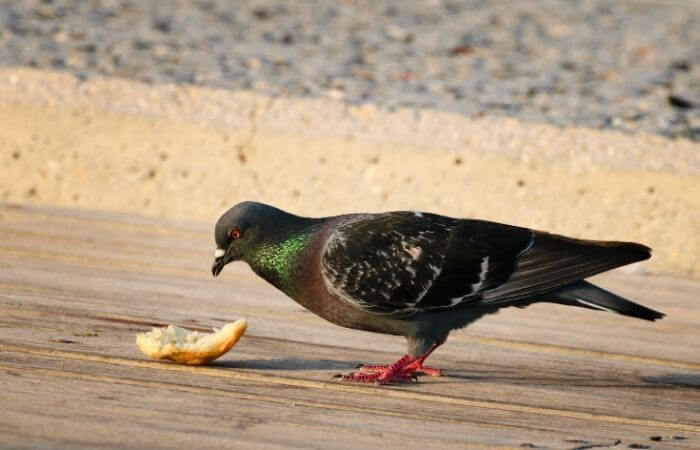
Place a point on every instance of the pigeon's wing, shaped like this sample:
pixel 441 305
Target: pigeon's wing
pixel 553 261
pixel 403 262
pixel 519 266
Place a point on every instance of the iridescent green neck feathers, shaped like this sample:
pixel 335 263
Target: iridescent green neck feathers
pixel 278 262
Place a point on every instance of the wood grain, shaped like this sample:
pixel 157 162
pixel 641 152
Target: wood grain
pixel 76 286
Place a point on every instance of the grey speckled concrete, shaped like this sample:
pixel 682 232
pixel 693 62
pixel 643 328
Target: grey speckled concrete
pixel 628 65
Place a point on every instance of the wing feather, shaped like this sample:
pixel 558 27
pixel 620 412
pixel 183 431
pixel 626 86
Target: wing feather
pixel 555 261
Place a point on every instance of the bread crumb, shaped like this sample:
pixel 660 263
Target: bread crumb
pixel 190 347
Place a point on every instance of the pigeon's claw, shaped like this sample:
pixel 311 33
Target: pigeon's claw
pixel 415 367
pixel 380 378
pixel 405 370
pixel 418 368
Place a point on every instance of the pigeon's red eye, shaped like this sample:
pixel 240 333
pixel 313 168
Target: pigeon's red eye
pixel 235 233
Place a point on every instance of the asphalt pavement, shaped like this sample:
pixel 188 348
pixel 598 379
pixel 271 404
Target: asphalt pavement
pixel 629 65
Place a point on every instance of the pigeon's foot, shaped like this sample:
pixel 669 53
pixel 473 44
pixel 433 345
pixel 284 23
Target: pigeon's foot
pixel 405 370
pixel 414 366
pixel 418 367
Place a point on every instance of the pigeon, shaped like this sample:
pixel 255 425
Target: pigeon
pixel 417 274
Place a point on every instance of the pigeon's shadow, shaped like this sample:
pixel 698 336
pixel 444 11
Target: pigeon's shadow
pixel 657 382
pixel 537 380
pixel 288 364
pixel 482 376
pixel 683 379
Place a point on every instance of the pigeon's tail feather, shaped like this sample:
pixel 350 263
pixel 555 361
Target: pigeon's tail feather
pixel 587 295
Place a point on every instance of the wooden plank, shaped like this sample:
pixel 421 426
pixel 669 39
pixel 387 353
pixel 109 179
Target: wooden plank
pixel 443 422
pixel 543 376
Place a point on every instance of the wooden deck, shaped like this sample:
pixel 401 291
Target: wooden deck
pixel 75 288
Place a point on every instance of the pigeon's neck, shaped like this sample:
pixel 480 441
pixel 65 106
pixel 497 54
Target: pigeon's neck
pixel 279 260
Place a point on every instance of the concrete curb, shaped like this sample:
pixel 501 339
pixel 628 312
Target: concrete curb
pixel 188 152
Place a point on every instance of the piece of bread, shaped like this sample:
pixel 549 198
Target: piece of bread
pixel 190 347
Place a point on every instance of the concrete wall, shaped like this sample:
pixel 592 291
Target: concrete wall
pixel 189 153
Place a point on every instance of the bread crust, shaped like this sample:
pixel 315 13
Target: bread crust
pixel 191 348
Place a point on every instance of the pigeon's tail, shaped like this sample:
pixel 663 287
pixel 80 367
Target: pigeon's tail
pixel 587 295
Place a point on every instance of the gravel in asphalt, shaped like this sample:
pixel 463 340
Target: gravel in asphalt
pixel 629 65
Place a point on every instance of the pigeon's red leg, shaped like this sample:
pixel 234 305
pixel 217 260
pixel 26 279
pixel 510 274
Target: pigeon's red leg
pixel 416 366
pixel 382 374
pixel 404 370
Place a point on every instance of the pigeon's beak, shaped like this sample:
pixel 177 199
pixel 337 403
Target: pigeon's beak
pixel 219 262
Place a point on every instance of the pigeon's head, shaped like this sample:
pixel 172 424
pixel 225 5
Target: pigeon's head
pixel 240 229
